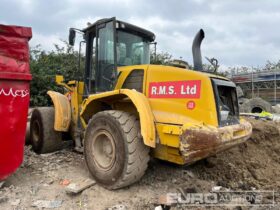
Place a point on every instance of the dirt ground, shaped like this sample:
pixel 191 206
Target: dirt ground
pixel 254 165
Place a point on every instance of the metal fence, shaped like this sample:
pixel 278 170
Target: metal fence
pixel 265 84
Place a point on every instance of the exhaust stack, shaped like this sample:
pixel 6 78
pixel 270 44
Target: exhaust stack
pixel 197 59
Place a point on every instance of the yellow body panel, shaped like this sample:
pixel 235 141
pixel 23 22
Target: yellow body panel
pixel 139 101
pixel 67 106
pixel 62 111
pixel 175 130
pixel 174 110
pixel 76 97
pixel 173 118
pixel 167 153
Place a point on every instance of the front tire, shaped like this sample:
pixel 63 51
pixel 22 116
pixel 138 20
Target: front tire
pixel 114 150
pixel 44 139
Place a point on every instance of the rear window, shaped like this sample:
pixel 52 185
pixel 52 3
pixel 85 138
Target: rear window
pixel 226 102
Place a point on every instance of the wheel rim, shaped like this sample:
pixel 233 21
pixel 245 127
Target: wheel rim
pixel 103 150
pixel 36 131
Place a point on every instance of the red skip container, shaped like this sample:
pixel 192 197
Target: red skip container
pixel 14 95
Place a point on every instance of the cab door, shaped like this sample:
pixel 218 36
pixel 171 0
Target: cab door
pixel 106 66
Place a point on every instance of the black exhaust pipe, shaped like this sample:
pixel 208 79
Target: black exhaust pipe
pixel 197 59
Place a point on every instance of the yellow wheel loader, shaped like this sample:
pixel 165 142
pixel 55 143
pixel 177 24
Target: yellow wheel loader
pixel 126 110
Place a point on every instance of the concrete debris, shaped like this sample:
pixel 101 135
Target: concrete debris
pixel 47 204
pixel 276 109
pixel 34 189
pixel 15 202
pixel 64 182
pixel 216 188
pixel 263 116
pixel 164 200
pixel 175 181
pixel 190 173
pixel 50 181
pixel 276 118
pixel 79 186
pixel 158 208
pixel 118 207
pixel 3 199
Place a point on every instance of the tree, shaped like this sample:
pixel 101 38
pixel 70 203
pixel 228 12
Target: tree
pixel 45 65
pixel 163 58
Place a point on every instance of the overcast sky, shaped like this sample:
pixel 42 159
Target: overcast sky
pixel 238 32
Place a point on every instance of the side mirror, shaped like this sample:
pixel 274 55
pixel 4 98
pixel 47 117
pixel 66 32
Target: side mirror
pixel 72 36
pixel 59 79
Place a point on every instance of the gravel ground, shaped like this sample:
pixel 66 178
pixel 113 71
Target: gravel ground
pixel 42 180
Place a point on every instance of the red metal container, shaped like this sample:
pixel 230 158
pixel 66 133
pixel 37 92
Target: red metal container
pixel 14 95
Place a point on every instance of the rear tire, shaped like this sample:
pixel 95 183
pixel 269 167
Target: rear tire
pixel 44 139
pixel 114 150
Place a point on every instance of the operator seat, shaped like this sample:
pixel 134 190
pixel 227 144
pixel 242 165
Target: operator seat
pixel 127 61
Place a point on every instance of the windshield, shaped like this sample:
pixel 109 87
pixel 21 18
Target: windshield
pixel 132 49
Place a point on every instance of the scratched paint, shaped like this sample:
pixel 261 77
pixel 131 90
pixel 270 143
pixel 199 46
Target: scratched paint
pixel 199 142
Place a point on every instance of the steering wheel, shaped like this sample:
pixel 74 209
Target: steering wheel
pixel 109 75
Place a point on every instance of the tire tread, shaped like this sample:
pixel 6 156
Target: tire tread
pixel 137 156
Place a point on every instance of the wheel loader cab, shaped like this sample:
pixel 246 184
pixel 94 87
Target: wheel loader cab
pixel 111 43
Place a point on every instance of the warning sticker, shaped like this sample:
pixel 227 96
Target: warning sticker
pixel 191 105
pixel 175 89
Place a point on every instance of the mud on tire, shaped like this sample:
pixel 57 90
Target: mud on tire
pixel 43 137
pixel 114 150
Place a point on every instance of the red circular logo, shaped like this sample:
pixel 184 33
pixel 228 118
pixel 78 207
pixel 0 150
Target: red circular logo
pixel 191 105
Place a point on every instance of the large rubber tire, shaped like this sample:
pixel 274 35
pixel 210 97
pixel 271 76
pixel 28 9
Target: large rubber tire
pixel 242 100
pixel 114 150
pixel 44 139
pixel 255 105
pixel 27 133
